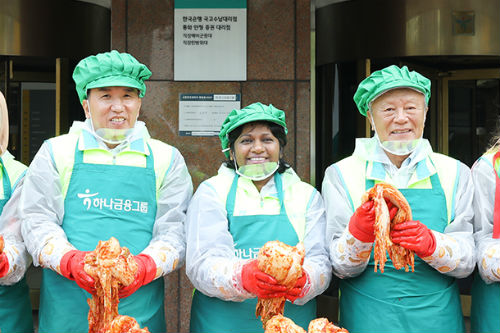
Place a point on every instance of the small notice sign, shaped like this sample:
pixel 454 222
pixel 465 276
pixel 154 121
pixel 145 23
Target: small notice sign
pixel 203 114
pixel 210 40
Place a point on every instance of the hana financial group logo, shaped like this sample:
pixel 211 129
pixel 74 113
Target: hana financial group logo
pixel 248 253
pixel 86 198
pixel 92 200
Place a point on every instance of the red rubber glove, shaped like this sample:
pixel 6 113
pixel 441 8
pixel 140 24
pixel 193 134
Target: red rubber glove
pixel 298 289
pixel 72 268
pixel 260 283
pixel 363 219
pixel 146 272
pixel 414 235
pixel 4 264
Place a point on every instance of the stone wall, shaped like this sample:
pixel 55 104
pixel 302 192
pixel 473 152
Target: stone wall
pixel 278 73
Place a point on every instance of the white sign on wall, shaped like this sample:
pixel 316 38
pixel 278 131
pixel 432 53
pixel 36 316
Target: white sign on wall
pixel 210 39
pixel 203 114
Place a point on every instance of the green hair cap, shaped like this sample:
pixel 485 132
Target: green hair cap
pixel 253 112
pixel 386 79
pixel 110 69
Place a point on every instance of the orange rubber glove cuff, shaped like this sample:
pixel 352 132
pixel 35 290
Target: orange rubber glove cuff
pixel 259 283
pixel 4 265
pixel 362 221
pixel 298 290
pixel 71 267
pixel 427 244
pixel 149 267
pixel 146 272
pixel 414 235
pixel 65 264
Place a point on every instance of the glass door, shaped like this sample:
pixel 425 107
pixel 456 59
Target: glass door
pixel 470 113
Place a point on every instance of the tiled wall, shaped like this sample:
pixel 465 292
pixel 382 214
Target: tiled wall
pixel 278 72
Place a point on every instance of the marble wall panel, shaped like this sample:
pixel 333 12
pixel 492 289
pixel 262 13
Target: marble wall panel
pixel 160 111
pixel 270 40
pixel 278 52
pixel 150 36
pixel 186 296
pixel 119 25
pixel 178 296
pixel 303 43
pixel 172 294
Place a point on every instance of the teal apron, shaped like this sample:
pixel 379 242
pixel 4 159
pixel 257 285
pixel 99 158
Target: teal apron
pixel 250 233
pixel 104 201
pixel 397 301
pixel 15 306
pixel 485 305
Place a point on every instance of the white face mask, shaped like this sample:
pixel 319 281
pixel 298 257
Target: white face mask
pixel 397 147
pixel 112 136
pixel 257 172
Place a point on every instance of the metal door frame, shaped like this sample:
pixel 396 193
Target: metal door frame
pixel 443 109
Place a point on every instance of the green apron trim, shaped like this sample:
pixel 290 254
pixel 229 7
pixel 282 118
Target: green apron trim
pixel 485 306
pixel 103 201
pixel 250 232
pixel 396 301
pixel 353 171
pixel 15 308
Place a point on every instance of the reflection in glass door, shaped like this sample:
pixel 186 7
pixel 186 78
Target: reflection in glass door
pixel 472 112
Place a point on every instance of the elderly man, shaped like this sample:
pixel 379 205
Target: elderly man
pixel 439 191
pixel 105 178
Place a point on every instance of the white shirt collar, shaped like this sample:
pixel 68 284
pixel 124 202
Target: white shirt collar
pixel 135 142
pixel 369 149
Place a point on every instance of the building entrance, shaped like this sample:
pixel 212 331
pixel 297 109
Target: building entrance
pixel 462 121
pixel 464 110
pixel 469 113
pixel 455 44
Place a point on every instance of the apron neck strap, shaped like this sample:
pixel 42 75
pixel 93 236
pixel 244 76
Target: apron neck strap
pixel 278 181
pixel 231 197
pixel 435 183
pixel 79 156
pixel 7 189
